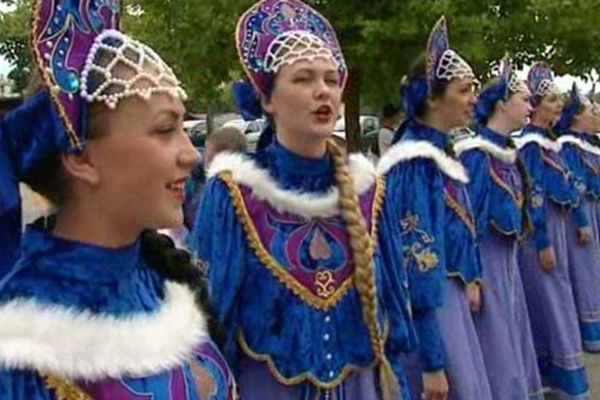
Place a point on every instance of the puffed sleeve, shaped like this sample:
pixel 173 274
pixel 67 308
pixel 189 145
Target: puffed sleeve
pixel 218 239
pixel 393 290
pixel 10 207
pixel 532 159
pixel 414 190
pixel 477 164
pixel 577 183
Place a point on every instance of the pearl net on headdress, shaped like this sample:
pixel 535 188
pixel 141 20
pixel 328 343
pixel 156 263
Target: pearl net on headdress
pixel 452 66
pixel 292 46
pixel 516 85
pixel 118 67
pixel 546 87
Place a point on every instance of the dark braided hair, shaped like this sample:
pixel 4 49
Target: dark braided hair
pixel 176 265
pixel 173 264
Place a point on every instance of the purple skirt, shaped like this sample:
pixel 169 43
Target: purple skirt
pixel 553 314
pixel 584 269
pixel 503 324
pixel 256 382
pixel 465 368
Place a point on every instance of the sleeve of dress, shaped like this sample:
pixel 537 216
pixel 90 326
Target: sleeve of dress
pixel 577 184
pixel 10 207
pixel 393 289
pixel 23 385
pixel 218 239
pixel 415 189
pixel 477 164
pixel 532 159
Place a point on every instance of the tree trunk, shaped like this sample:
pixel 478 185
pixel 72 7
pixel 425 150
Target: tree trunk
pixel 352 110
pixel 209 117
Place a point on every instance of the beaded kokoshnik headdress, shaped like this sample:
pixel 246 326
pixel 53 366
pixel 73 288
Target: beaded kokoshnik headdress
pixel 82 58
pixel 274 33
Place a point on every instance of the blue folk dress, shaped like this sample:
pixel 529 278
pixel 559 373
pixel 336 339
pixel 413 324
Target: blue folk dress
pixel 281 272
pixel 496 193
pixel 581 158
pixel 431 205
pixel 552 310
pixel 84 322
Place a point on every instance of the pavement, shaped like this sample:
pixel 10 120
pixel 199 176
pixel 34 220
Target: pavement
pixel 592 363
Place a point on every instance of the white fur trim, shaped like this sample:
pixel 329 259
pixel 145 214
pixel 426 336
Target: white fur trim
pixel 583 145
pixel 546 143
pixel 245 171
pixel 505 155
pixel 409 149
pixel 80 345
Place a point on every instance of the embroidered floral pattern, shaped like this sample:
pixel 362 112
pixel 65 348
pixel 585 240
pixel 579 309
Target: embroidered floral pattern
pixel 420 250
pixel 537 200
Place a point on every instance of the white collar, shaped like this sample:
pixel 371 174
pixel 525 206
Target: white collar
pixel 479 142
pixel 582 144
pixel 245 171
pixel 80 345
pixel 522 141
pixel 406 150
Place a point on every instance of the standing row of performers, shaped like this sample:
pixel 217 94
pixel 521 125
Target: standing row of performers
pixel 459 270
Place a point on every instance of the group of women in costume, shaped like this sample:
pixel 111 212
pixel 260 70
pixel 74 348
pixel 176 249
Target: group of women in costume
pixel 462 270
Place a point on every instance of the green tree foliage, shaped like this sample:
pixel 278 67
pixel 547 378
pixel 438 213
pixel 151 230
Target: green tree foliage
pixel 380 39
pixel 196 38
pixel 13 39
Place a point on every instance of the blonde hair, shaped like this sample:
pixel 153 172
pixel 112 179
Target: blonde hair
pixel 364 272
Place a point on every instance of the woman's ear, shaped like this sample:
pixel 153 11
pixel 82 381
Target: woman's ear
pixel 432 102
pixel 267 104
pixel 81 167
pixel 500 106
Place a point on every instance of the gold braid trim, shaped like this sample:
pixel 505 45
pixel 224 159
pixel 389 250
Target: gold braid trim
pixel 463 214
pixel 552 164
pixel 64 389
pixel 53 89
pixel 503 185
pixel 348 369
pixel 269 261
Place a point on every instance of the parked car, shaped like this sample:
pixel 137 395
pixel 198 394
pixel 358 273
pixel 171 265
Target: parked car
pixel 196 130
pixel 369 128
pixel 250 129
pixel 461 133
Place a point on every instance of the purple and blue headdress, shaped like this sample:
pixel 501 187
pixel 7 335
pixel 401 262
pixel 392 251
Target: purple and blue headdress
pixel 576 102
pixel 442 66
pixel 507 84
pixel 82 58
pixel 274 33
pixel 540 81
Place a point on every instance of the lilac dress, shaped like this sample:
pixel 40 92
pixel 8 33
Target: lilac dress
pixel 581 158
pixel 552 309
pixel 503 325
pixel 427 187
